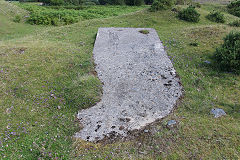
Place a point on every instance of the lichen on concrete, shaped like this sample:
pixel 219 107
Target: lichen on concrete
pixel 140 84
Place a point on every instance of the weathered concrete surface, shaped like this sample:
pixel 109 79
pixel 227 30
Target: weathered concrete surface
pixel 140 83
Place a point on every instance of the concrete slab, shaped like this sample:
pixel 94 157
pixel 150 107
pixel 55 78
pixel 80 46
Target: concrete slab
pixel 140 83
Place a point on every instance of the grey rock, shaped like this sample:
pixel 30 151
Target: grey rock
pixel 9 110
pixel 171 123
pixel 146 131
pixel 140 83
pixel 207 62
pixel 218 112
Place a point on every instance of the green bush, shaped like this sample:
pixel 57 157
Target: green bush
pixel 138 2
pixel 17 19
pixel 234 8
pixel 189 14
pixel 216 16
pixel 235 23
pixel 148 2
pixel 183 2
pixel 62 2
pixel 228 54
pixel 196 4
pixel 90 2
pixel 53 2
pixel 66 7
pixel 122 2
pixel 195 44
pixel 59 15
pixel 176 9
pixel 134 2
pixel 162 5
pixel 51 18
pixel 112 2
pixel 26 0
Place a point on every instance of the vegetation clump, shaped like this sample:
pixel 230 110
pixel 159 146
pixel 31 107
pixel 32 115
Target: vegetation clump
pixel 61 15
pixel 234 8
pixel 216 16
pixel 228 54
pixel 235 23
pixel 196 4
pixel 17 19
pixel 134 2
pixel 144 31
pixel 162 5
pixel 62 2
pixel 148 2
pixel 111 2
pixel 189 14
pixel 194 44
pixel 183 2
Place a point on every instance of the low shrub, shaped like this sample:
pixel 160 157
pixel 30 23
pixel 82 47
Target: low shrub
pixel 91 2
pixel 196 4
pixel 216 16
pixel 26 0
pixel 112 2
pixel 195 44
pixel 17 19
pixel 61 2
pixel 228 54
pixel 59 15
pixel 148 2
pixel 144 31
pixel 234 8
pixel 88 3
pixel 52 18
pixel 134 2
pixel 176 9
pixel 65 7
pixel 162 5
pixel 183 2
pixel 189 14
pixel 235 23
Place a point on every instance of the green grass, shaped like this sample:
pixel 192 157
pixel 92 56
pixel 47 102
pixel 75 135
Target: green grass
pixel 144 31
pixel 47 75
pixel 9 29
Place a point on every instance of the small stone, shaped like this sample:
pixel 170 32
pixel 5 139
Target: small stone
pixel 52 95
pixel 81 44
pixel 141 152
pixel 218 112
pixel 146 131
pixel 171 123
pixel 9 110
pixel 121 128
pixel 208 62
pixel 59 107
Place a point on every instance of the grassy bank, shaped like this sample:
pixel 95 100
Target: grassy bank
pixel 47 75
